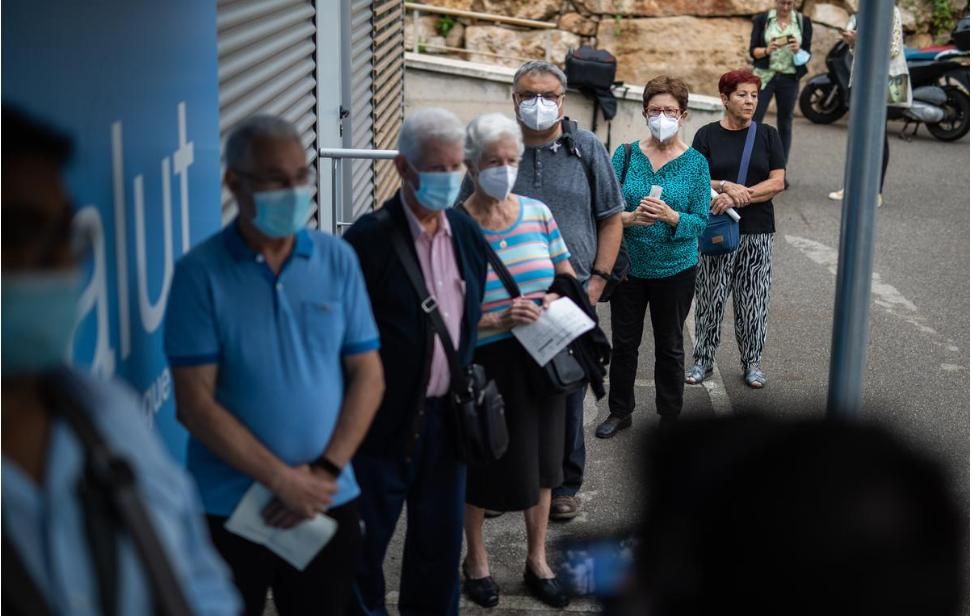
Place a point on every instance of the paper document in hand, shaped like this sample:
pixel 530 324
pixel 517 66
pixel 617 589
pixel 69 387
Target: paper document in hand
pixel 559 325
pixel 297 545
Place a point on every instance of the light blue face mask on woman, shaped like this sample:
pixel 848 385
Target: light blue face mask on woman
pixel 438 190
pixel 39 314
pixel 282 213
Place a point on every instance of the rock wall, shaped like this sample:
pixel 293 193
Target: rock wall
pixel 695 40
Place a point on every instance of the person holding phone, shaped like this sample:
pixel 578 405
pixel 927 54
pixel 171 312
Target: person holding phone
pixel 780 48
pixel 666 188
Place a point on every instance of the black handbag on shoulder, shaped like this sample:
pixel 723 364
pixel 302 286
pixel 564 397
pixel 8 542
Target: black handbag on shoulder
pixel 478 413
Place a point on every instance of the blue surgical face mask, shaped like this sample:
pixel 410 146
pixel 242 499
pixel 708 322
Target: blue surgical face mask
pixel 282 213
pixel 40 311
pixel 438 190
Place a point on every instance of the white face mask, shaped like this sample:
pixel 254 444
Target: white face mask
pixel 539 113
pixel 662 127
pixel 497 182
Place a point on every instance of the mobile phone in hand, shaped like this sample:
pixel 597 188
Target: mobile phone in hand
pixel 655 192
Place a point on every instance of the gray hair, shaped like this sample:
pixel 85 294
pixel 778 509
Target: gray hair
pixel 486 130
pixel 256 128
pixel 427 125
pixel 540 66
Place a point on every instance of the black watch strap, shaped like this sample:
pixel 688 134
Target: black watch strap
pixel 327 466
pixel 602 274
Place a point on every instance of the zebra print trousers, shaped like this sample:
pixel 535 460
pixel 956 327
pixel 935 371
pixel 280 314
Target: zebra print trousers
pixel 746 273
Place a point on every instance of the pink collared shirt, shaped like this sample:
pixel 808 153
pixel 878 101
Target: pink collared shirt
pixel 437 258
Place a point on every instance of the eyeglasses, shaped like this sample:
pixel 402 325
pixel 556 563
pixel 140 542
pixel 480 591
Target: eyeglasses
pixel 276 181
pixel 654 112
pixel 553 97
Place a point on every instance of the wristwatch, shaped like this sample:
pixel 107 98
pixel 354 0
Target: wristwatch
pixel 601 274
pixel 327 466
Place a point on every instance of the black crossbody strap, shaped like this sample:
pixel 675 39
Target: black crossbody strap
pixel 24 597
pixel 627 163
pixel 498 266
pixel 114 477
pixel 428 303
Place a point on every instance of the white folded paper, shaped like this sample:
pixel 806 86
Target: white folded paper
pixel 557 327
pixel 297 545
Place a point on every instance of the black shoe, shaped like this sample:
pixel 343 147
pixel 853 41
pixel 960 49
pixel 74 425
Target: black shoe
pixel 548 591
pixel 484 591
pixel 612 425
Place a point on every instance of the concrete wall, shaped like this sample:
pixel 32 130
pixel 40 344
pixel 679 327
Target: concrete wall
pixel 469 89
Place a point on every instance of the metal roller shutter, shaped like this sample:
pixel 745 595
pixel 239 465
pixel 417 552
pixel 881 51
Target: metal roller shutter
pixel 357 102
pixel 267 65
pixel 388 87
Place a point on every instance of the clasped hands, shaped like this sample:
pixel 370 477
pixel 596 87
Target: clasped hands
pixel 648 212
pixel 301 492
pixel 732 196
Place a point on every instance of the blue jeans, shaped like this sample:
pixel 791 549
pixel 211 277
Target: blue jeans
pixel 433 483
pixel 574 452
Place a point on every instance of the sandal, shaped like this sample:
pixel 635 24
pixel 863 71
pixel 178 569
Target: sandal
pixel 696 374
pixel 755 378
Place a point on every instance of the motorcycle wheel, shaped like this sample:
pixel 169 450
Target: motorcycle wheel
pixel 956 123
pixel 815 106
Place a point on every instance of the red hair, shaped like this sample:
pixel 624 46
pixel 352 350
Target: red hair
pixel 731 80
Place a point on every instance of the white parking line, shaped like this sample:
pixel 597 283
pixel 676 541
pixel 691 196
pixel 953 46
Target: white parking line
pixel 714 386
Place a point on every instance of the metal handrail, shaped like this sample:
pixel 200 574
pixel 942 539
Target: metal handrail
pixel 338 156
pixel 499 19
pixel 417 8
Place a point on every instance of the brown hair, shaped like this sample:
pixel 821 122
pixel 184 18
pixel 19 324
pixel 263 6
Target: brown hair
pixel 667 85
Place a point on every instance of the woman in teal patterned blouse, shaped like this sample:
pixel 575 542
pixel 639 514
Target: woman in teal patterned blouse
pixel 661 235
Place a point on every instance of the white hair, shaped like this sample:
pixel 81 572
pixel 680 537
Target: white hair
pixel 424 126
pixel 486 130
pixel 256 128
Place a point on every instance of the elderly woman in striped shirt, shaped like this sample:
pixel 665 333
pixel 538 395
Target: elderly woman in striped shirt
pixel 523 233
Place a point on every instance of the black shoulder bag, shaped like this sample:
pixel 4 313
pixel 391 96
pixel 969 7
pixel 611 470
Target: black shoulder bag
pixel 111 501
pixel 478 412
pixel 564 373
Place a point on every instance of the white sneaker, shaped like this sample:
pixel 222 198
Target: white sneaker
pixel 880 200
pixel 837 195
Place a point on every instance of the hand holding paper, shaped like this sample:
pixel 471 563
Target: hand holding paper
pixel 297 545
pixel 557 327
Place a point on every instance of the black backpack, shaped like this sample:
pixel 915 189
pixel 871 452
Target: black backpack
pixel 592 71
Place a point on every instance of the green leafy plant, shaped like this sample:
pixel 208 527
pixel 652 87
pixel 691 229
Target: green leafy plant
pixel 941 18
pixel 444 25
pixel 617 25
pixel 421 46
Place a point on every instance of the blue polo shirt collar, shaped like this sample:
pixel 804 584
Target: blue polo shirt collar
pixel 303 244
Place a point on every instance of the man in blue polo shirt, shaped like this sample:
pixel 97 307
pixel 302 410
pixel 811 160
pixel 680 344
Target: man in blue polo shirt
pixel 274 357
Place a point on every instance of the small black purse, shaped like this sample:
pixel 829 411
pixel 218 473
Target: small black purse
pixel 478 413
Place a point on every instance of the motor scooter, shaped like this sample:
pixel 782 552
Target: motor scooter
pixel 940 89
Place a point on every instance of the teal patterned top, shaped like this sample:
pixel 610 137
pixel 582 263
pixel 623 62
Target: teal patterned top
pixel 658 250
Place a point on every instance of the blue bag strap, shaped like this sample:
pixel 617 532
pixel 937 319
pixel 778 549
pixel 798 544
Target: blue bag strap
pixel 747 154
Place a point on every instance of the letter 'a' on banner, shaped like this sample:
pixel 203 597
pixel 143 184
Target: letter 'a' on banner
pixel 135 85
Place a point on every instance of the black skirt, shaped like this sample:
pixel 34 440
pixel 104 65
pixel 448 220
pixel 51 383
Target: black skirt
pixel 535 418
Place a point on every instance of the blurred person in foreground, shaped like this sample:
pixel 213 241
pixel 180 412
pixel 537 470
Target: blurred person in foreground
pixel 803 518
pixel 274 355
pixel 67 544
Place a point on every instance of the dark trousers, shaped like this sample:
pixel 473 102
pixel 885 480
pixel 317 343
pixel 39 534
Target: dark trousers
pixel 323 587
pixel 575 454
pixel 668 300
pixel 433 484
pixel 785 88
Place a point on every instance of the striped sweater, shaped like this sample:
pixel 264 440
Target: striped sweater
pixel 530 248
